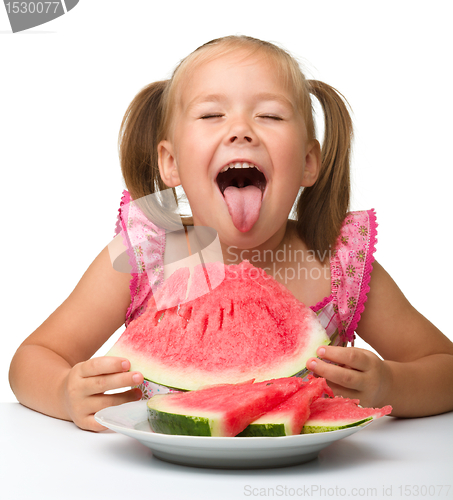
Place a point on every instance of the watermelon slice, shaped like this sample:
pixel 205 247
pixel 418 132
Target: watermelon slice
pixel 331 414
pixel 223 410
pixel 249 326
pixel 288 418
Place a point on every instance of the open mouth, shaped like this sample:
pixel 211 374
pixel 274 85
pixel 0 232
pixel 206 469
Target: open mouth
pixel 240 175
pixel 242 185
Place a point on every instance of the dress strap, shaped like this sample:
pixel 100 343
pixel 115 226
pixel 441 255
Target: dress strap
pixel 145 244
pixel 351 266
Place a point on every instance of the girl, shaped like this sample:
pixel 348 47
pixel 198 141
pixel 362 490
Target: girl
pixel 234 127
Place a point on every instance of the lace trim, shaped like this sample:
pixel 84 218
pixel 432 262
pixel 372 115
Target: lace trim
pixel 121 228
pixel 365 287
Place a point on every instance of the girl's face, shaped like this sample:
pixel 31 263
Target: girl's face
pixel 234 111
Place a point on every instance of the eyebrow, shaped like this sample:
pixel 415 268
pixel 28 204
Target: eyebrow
pixel 269 96
pixel 206 98
pixel 263 96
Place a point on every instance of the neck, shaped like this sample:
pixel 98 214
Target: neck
pixel 261 255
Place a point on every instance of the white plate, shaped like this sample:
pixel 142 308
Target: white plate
pixel 131 419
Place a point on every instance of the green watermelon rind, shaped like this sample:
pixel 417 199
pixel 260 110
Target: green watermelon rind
pixel 183 379
pixel 165 418
pixel 264 430
pixel 267 426
pixel 328 426
pixel 183 425
pixel 188 425
pixel 277 429
pixel 300 374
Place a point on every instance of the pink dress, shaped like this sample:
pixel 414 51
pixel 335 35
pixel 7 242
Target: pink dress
pixel 350 266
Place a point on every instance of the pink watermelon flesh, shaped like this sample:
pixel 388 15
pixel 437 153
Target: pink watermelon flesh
pixel 173 294
pixel 328 414
pixel 229 407
pixel 249 326
pixel 244 205
pixel 294 412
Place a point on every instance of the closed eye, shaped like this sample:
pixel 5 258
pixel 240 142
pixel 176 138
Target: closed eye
pixel 271 117
pixel 205 117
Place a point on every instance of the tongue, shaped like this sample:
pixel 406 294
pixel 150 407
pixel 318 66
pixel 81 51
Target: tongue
pixel 244 205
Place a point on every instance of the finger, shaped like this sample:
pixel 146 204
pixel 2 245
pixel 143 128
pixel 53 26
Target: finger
pixel 86 421
pixel 352 357
pixel 104 366
pixel 89 423
pixel 344 377
pixel 98 402
pixel 103 383
pixel 339 390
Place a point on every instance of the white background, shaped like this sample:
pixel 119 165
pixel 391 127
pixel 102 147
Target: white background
pixel 65 86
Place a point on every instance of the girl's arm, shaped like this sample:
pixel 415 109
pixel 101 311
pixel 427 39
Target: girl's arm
pixel 416 373
pixel 50 372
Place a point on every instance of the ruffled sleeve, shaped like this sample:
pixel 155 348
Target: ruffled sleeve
pixel 351 266
pixel 145 244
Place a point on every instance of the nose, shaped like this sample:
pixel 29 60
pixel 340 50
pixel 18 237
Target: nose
pixel 240 138
pixel 241 132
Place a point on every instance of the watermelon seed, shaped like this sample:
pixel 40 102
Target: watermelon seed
pixel 221 318
pixel 205 326
pixel 186 313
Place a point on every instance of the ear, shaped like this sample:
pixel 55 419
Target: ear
pixel 312 164
pixel 167 164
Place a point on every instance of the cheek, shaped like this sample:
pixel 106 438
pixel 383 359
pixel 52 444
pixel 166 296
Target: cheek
pixel 291 156
pixel 299 152
pixel 190 145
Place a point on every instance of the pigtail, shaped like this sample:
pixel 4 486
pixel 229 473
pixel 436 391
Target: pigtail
pixel 322 208
pixel 138 139
pixel 140 134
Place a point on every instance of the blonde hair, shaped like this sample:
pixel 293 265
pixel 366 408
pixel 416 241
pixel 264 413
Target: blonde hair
pixel 321 208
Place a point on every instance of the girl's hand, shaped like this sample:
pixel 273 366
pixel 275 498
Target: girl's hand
pixel 86 383
pixel 360 374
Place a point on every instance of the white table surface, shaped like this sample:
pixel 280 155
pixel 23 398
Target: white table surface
pixel 45 458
